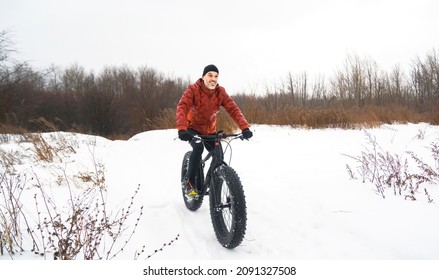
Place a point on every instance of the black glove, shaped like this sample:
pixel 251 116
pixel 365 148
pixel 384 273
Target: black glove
pixel 184 135
pixel 246 133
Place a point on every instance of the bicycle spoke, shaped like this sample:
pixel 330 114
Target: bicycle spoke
pixel 226 205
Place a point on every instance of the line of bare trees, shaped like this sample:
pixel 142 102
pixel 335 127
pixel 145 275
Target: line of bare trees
pixel 360 82
pixel 125 101
pixel 117 101
pixel 359 92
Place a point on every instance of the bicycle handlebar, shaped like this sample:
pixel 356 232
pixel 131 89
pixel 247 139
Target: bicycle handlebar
pixel 220 135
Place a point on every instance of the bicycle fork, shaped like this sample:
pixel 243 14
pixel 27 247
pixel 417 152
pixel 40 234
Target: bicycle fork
pixel 220 202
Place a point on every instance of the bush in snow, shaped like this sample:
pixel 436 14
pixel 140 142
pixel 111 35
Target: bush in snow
pixel 387 170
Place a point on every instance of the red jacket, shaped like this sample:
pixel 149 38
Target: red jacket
pixel 198 107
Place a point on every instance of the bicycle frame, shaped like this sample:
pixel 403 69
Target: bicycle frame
pixel 217 155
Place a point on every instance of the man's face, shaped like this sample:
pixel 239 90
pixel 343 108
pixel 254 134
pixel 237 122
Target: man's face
pixel 211 79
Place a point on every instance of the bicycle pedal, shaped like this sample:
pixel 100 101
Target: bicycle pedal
pixel 192 193
pixel 190 198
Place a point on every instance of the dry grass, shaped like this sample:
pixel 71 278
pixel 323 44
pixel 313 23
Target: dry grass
pixel 7 131
pixel 347 118
pixel 43 151
pixel 256 113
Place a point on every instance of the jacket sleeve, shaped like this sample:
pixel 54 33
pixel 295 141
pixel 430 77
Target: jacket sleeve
pixel 183 107
pixel 233 110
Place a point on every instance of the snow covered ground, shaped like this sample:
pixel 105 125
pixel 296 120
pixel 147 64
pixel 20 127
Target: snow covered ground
pixel 302 204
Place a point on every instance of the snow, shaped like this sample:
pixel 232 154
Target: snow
pixel 301 203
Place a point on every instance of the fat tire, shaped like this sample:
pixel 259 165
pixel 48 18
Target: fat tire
pixel 229 224
pixel 193 204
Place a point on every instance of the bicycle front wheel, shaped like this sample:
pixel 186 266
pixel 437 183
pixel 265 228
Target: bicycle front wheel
pixel 228 207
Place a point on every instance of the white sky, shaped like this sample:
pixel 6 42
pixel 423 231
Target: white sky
pixel 254 43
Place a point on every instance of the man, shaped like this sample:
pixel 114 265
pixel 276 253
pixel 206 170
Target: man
pixel 196 115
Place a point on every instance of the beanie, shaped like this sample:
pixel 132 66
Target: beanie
pixel 209 68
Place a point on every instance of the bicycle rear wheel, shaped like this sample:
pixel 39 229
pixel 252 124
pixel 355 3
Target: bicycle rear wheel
pixel 228 207
pixel 192 204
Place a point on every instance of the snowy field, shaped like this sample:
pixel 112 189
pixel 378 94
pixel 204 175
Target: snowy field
pixel 301 202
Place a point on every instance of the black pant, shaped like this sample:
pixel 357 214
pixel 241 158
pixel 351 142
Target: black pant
pixel 197 152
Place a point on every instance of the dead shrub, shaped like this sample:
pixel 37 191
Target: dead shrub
pixel 42 150
pixel 44 125
pixel 392 171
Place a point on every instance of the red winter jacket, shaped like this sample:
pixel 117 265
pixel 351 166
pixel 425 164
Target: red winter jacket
pixel 198 107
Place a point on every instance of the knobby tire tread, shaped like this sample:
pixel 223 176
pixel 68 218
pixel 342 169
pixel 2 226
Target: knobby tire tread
pixel 233 238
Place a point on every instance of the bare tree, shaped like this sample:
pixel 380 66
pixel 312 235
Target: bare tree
pixel 425 81
pixel 6 47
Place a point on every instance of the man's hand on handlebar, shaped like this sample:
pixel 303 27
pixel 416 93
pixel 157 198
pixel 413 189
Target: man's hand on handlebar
pixel 247 133
pixel 185 135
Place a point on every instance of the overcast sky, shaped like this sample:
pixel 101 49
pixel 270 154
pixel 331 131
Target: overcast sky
pixel 254 43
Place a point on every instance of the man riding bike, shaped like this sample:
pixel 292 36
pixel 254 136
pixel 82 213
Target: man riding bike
pixel 196 115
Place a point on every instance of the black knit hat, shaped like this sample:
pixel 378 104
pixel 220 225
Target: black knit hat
pixel 209 68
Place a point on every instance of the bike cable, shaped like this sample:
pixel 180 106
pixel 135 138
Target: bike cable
pixel 225 150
